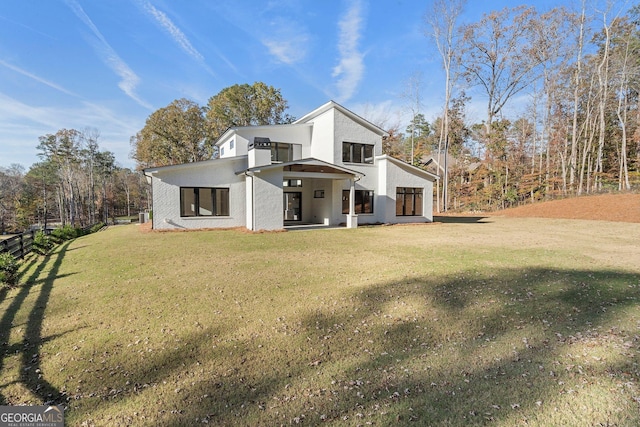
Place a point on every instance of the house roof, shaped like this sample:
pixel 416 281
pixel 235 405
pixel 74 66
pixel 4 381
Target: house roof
pixel 413 169
pixel 353 116
pixel 309 165
pixel 153 170
pixel 235 129
pixel 464 162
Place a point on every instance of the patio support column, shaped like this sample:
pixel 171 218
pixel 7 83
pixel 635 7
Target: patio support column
pixel 352 218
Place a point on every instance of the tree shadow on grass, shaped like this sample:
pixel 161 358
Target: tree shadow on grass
pixel 31 375
pixel 463 350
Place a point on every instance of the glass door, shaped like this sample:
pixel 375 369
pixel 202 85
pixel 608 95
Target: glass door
pixel 292 206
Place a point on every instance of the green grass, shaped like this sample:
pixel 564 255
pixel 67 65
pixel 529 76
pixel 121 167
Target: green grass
pixel 502 321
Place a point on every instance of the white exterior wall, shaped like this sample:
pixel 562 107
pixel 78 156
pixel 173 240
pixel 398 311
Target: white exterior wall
pixel 346 130
pixel 322 138
pixel 215 173
pixel 319 209
pixel 267 201
pixel 292 134
pixel 392 176
pixel 239 147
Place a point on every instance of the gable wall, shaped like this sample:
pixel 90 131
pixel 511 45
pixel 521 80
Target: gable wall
pixel 346 130
pixel 392 176
pixel 166 194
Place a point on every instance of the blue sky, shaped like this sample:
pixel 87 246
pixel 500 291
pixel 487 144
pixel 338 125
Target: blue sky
pixel 109 64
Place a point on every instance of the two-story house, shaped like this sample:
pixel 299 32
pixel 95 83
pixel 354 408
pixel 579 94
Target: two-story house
pixel 325 168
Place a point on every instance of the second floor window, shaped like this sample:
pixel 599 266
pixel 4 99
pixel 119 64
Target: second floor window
pixel 281 152
pixel 357 153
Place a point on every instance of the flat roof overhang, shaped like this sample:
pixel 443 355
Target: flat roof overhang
pixel 309 168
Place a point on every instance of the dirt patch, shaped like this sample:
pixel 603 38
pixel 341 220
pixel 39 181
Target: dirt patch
pixel 605 207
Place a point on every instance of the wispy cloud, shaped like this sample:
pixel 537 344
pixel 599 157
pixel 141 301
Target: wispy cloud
pixel 286 40
pixel 21 124
pixel 27 27
pixel 176 34
pixel 54 117
pixel 129 80
pixel 350 68
pixel 36 78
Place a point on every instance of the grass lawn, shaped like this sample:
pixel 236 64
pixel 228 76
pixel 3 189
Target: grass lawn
pixel 500 321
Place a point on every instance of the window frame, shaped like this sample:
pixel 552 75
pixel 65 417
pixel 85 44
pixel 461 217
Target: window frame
pixel 410 194
pixel 276 148
pixel 292 183
pixel 359 208
pixel 357 152
pixel 219 197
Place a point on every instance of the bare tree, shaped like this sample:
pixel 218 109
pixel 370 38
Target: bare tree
pixel 623 64
pixel 413 97
pixel 497 55
pixel 577 76
pixel 442 19
pixel 603 86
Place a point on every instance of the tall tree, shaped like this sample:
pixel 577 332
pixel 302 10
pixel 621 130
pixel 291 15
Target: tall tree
pixel 418 132
pixel 174 134
pixel 624 49
pixel 10 189
pixel 577 76
pixel 245 105
pixel 38 199
pixel 62 149
pixel 442 18
pixel 498 55
pixel 412 96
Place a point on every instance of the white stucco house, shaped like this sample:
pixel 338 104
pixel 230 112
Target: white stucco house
pixel 325 168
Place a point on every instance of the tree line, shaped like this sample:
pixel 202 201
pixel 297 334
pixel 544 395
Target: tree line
pixel 561 95
pixel 75 184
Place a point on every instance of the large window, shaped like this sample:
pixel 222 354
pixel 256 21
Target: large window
pixel 200 201
pixel 363 201
pixel 408 201
pixel 281 152
pixel 357 153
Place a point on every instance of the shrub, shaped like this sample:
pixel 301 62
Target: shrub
pixel 65 233
pixel 96 227
pixel 42 243
pixel 8 270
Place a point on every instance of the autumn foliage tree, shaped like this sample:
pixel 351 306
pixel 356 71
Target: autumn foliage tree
pixel 245 105
pixel 173 134
pixel 184 131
